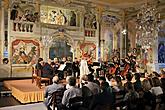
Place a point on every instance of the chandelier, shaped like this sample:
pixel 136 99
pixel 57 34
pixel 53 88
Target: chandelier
pixel 148 24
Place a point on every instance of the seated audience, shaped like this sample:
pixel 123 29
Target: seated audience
pixel 148 97
pixel 104 99
pixel 137 83
pixel 131 97
pixel 119 85
pixel 128 82
pixel 50 89
pixel 163 80
pixel 91 85
pixel 71 92
pixel 156 89
pixel 69 74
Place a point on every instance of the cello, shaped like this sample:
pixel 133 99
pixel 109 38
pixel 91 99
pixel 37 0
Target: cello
pixel 126 68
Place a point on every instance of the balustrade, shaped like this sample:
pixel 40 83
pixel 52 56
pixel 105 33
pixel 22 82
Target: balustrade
pixel 90 32
pixel 22 26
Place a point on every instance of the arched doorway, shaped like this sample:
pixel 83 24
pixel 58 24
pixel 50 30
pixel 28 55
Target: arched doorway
pixel 61 45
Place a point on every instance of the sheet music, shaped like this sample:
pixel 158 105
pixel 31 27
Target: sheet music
pixel 62 66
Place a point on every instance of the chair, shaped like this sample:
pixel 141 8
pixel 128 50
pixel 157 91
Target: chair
pixel 57 99
pixel 36 77
pixel 34 74
pixel 158 100
pixel 75 103
pixel 40 79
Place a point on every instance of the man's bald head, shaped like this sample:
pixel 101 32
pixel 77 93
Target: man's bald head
pixel 55 79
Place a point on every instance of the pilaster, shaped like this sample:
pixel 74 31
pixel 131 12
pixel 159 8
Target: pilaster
pixel 2 38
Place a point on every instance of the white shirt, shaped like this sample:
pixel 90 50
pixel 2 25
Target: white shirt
pixel 156 90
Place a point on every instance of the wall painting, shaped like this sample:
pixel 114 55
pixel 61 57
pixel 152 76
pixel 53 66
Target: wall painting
pixel 25 51
pixel 59 16
pixel 88 50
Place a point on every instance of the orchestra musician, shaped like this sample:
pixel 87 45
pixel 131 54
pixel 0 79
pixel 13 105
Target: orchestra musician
pixel 56 65
pixel 115 66
pixel 129 63
pixel 75 68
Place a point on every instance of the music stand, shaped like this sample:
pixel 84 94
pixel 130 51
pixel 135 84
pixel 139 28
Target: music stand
pixel 96 64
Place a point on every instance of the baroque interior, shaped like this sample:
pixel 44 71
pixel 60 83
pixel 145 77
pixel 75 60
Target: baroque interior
pixel 98 29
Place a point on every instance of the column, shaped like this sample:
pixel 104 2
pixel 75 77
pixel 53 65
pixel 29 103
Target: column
pixel 98 32
pixel 155 53
pixel 81 17
pixel 114 40
pixel 2 38
pixel 121 46
pixel 8 37
pixel 102 49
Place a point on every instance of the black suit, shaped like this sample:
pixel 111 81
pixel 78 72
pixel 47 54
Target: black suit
pixel 75 67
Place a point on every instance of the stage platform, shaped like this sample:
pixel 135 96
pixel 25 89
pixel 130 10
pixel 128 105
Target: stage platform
pixel 25 91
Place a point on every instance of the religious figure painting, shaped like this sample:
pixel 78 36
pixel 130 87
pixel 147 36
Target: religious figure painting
pixel 90 20
pixel 25 51
pixel 59 16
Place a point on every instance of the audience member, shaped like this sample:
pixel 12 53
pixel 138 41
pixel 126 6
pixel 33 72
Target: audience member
pixel 119 85
pixel 129 79
pixel 131 97
pixel 50 89
pixel 163 80
pixel 91 85
pixel 148 97
pixel 103 99
pixel 137 83
pixel 71 92
pixel 156 89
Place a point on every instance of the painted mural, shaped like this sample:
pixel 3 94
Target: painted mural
pixel 59 16
pixel 60 49
pixel 161 52
pixel 25 51
pixel 88 50
pixel 161 47
pixel 90 20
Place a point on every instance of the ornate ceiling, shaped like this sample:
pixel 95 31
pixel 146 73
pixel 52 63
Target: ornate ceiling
pixel 129 7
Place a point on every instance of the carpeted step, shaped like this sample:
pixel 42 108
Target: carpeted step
pixel 5 92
